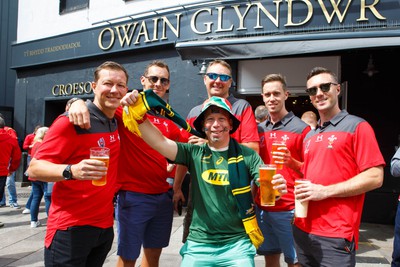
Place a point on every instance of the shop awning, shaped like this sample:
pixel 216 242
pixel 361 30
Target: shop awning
pixel 295 44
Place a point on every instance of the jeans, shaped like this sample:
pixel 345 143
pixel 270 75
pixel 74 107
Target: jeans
pixel 396 240
pixel 12 191
pixel 28 203
pixel 39 189
pixel 2 185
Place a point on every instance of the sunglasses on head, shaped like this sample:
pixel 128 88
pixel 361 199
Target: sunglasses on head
pixel 325 87
pixel 154 79
pixel 222 77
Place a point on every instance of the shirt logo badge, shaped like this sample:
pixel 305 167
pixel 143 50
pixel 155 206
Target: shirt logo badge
pixel 285 138
pixel 219 161
pixel 331 139
pixel 215 177
pixel 206 159
pixel 101 142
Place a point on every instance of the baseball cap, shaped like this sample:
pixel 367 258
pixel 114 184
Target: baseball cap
pixel 221 103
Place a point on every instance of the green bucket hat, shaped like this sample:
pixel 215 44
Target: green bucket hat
pixel 221 103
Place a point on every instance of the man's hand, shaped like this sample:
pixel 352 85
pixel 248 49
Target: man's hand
pixel 310 191
pixel 78 114
pixel 130 98
pixel 286 157
pixel 178 197
pixel 279 183
pixel 170 167
pixel 195 140
pixel 89 169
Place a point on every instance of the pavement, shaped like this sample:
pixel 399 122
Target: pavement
pixel 22 246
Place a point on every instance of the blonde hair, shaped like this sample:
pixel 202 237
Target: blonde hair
pixel 40 133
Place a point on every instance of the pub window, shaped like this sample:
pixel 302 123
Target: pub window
pixel 67 6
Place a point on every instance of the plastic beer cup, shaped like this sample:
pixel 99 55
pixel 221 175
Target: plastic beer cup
pixel 277 146
pixel 300 208
pixel 267 193
pixel 102 154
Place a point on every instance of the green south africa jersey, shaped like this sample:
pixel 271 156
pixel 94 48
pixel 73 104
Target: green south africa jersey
pixel 216 217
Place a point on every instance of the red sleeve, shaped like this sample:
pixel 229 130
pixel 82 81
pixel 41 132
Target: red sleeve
pixel 247 131
pixel 57 146
pixel 28 141
pixel 11 132
pixel 16 156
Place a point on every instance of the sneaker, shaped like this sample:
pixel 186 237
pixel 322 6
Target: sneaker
pixel 35 224
pixel 26 211
pixel 15 205
pixel 1 224
pixel 2 205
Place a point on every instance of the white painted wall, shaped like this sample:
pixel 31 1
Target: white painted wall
pixel 251 72
pixel 39 19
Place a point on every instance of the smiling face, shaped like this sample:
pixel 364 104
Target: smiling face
pixel 110 87
pixel 217 87
pixel 325 102
pixel 157 79
pixel 217 124
pixel 274 97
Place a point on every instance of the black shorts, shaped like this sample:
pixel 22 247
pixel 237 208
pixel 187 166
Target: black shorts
pixel 79 246
pixel 314 251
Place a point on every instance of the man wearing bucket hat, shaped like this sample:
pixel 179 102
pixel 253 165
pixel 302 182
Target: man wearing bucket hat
pixel 217 80
pixel 224 223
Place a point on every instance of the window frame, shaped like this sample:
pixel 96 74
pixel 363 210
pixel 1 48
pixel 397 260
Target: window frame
pixel 68 6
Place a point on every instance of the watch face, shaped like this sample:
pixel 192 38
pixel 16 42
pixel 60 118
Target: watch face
pixel 67 173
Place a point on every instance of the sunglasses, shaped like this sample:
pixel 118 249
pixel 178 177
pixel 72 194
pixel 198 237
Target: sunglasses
pixel 325 87
pixel 154 79
pixel 222 77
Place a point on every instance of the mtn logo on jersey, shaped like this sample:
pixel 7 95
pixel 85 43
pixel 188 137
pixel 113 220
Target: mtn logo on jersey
pixel 215 177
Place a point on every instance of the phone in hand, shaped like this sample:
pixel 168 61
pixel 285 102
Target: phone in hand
pixel 180 207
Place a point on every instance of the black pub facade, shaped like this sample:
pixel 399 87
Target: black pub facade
pixel 360 40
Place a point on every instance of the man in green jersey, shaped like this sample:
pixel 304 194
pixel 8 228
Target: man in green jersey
pixel 224 226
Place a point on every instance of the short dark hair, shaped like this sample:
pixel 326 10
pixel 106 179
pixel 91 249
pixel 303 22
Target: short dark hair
pixel 158 63
pixel 112 66
pixel 2 123
pixel 274 77
pixel 319 70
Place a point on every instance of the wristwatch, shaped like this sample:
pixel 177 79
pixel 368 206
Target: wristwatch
pixel 67 173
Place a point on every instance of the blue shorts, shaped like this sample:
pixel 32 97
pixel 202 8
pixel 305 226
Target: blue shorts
pixel 278 234
pixel 237 254
pixel 143 219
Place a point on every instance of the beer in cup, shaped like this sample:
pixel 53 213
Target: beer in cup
pixel 102 154
pixel 277 146
pixel 300 208
pixel 267 192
